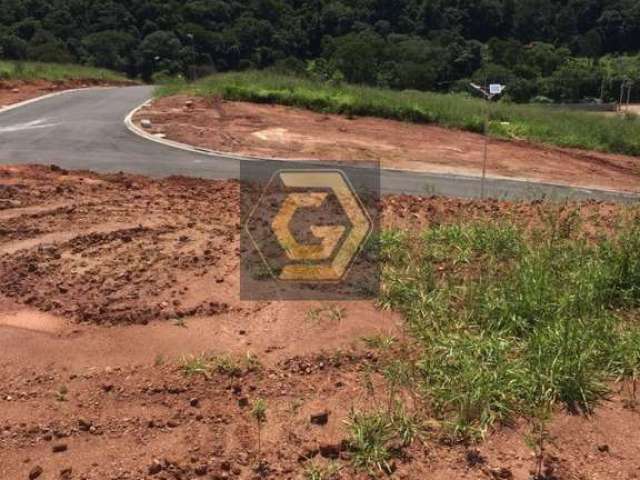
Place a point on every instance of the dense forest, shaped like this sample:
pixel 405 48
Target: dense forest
pixel 565 50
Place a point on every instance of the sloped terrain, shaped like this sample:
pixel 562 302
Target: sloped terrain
pixel 125 352
pixel 274 131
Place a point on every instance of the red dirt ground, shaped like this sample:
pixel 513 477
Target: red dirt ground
pixel 284 132
pixel 95 271
pixel 16 91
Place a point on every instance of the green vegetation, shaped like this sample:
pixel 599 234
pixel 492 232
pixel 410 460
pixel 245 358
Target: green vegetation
pixel 370 434
pixel 566 51
pixel 378 436
pixel 317 471
pixel 530 122
pixel 207 364
pixel 54 72
pixel 259 414
pixel 512 322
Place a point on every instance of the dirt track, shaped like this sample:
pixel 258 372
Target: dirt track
pixel 276 131
pixel 107 280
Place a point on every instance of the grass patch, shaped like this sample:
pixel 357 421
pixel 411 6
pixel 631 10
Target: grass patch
pixel 376 437
pixel 228 365
pixel 55 72
pixel 512 322
pixel 317 471
pixel 510 121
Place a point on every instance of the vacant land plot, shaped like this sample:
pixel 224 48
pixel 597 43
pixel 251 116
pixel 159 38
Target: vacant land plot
pixel 126 353
pixel 284 132
pixel 524 122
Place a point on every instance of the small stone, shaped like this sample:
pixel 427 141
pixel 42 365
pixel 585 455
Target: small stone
pixel 603 448
pixel 474 457
pixel 145 123
pixel 155 467
pixel 194 402
pixel 320 418
pixel 65 473
pixel 60 447
pixel 84 424
pixel 35 472
pixel 330 450
pixel 501 473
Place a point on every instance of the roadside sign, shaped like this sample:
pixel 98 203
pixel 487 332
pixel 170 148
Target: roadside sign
pixel 496 89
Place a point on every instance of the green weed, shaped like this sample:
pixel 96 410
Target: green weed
pixel 316 471
pixel 512 320
pixel 369 435
pixel 376 437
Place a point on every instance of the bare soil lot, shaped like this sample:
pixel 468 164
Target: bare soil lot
pixel 110 283
pixel 16 91
pixel 283 132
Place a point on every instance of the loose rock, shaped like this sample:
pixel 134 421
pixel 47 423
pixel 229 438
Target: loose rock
pixel 320 418
pixel 60 447
pixel 35 472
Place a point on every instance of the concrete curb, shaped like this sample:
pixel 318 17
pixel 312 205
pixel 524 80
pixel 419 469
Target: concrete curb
pixel 129 123
pixel 24 103
pixel 226 155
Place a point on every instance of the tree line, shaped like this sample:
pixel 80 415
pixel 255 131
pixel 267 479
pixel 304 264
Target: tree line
pixel 564 50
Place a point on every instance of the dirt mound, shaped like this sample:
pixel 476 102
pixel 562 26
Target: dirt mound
pixel 138 251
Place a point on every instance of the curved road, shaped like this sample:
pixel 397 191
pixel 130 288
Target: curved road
pixel 85 130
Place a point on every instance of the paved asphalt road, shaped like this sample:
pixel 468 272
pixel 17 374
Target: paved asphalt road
pixel 85 130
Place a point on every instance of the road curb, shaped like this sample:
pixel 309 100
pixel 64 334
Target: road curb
pixel 24 103
pixel 139 131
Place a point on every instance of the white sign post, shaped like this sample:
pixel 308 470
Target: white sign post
pixel 496 89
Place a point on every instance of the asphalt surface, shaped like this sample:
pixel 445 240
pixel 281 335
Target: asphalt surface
pixel 85 130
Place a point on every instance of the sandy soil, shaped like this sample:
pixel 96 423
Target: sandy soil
pixel 283 132
pixel 16 91
pixel 96 270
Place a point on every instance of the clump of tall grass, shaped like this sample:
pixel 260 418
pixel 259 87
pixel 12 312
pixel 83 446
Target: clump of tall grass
pixel 55 72
pixel 378 436
pixel 510 321
pixel 528 122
